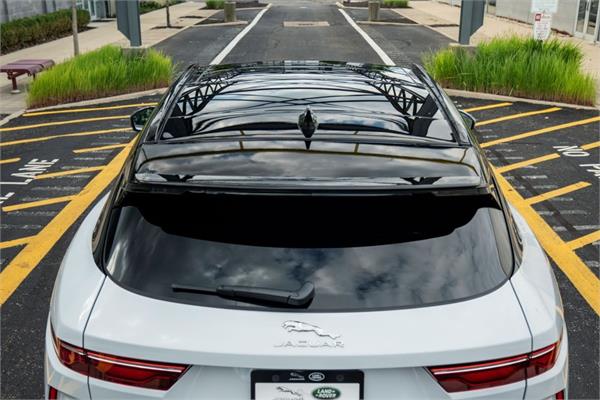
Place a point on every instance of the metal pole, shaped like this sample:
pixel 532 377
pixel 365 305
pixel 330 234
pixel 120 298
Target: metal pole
pixel 74 25
pixel 168 13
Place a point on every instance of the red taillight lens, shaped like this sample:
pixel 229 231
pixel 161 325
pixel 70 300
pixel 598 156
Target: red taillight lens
pixel 126 371
pixel 458 378
pixel 52 393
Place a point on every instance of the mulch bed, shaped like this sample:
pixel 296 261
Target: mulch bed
pixel 246 4
pixel 365 4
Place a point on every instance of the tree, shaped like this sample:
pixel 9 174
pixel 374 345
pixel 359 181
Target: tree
pixel 74 27
pixel 168 13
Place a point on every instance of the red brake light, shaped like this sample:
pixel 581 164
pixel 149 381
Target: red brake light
pixel 126 371
pixel 457 378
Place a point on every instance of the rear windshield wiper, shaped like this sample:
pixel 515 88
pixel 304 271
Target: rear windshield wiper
pixel 300 298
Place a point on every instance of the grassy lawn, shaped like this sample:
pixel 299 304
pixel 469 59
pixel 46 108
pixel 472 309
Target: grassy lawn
pixel 516 66
pixel 100 73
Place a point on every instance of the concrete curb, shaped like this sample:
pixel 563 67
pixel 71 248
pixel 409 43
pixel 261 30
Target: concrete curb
pixel 100 100
pixel 219 24
pixel 488 96
pixel 386 23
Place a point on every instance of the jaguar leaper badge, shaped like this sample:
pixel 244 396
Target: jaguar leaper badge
pixel 323 339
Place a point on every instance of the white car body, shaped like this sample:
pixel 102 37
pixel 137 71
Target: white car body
pixel 391 347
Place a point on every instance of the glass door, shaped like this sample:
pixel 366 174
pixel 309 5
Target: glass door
pixel 588 18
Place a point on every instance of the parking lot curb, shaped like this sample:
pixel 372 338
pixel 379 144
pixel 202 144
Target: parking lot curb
pixel 489 96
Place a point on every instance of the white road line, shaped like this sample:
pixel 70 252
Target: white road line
pixel 384 57
pixel 221 56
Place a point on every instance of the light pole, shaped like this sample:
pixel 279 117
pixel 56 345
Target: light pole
pixel 74 25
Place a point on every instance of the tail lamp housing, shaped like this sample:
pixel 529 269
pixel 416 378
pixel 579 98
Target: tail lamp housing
pixel 482 375
pixel 125 371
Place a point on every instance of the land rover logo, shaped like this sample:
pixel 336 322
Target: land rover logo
pixel 326 393
pixel 316 376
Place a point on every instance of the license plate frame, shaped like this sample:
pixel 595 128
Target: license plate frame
pixel 307 378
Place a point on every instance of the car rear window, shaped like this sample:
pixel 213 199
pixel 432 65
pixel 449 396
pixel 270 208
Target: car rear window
pixel 361 253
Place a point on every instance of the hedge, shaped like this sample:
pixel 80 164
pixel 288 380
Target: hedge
pixel 26 32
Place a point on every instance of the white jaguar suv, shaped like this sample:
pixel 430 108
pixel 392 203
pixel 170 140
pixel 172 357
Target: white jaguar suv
pixel 300 231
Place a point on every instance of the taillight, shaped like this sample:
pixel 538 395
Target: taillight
pixel 458 378
pixel 126 371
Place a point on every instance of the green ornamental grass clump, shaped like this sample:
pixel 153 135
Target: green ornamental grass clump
pixel 395 3
pixel 516 66
pixel 100 73
pixel 215 4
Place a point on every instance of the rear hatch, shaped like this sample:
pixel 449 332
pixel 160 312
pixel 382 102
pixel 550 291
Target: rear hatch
pixel 401 283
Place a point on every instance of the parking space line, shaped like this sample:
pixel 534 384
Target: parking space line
pixel 584 280
pixel 79 110
pixel 29 257
pixel 39 203
pixel 518 115
pixel 488 107
pixel 16 242
pixel 70 172
pixel 584 240
pixel 10 160
pixel 91 149
pixel 540 131
pixel 536 160
pixel 557 192
pixel 66 135
pixel 57 123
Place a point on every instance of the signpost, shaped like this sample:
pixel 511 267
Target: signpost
pixel 471 19
pixel 128 21
pixel 542 23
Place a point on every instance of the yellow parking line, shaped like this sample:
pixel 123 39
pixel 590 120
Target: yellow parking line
pixel 515 116
pixel 584 240
pixel 540 131
pixel 536 160
pixel 525 163
pixel 56 123
pixel 557 192
pixel 108 147
pixel 70 172
pixel 39 203
pixel 16 242
pixel 39 245
pixel 79 110
pixel 10 160
pixel 51 137
pixel 584 280
pixel 488 107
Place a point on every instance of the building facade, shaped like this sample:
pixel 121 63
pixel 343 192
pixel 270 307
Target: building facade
pixel 15 9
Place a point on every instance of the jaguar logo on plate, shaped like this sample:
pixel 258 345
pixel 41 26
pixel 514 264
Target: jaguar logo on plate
pixel 326 392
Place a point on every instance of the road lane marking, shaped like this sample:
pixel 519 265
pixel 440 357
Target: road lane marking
pixel 488 107
pixel 79 110
pixel 584 240
pixel 38 203
pixel 584 280
pixel 70 172
pixel 39 245
pixel 16 242
pixel 51 137
pixel 384 57
pixel 536 160
pixel 91 149
pixel 557 192
pixel 518 115
pixel 540 131
pixel 57 123
pixel 10 160
pixel 221 56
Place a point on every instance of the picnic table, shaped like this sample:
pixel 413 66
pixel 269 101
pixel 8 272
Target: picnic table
pixel 22 67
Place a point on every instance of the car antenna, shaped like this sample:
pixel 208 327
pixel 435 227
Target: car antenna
pixel 307 122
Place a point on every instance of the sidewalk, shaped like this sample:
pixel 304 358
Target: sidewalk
pixel 103 33
pixel 436 15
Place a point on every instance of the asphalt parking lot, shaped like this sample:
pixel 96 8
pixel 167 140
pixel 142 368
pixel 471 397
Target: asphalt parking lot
pixel 55 164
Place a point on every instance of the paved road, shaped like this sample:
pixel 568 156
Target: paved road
pixel 545 155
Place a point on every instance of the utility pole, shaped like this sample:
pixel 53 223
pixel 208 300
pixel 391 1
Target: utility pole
pixel 74 25
pixel 168 13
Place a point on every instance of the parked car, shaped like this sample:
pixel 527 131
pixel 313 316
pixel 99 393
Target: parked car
pixel 305 230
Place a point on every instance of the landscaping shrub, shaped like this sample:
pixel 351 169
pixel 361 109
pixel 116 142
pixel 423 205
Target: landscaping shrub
pixel 516 66
pixel 26 32
pixel 103 72
pixel 395 3
pixel 147 6
pixel 215 4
